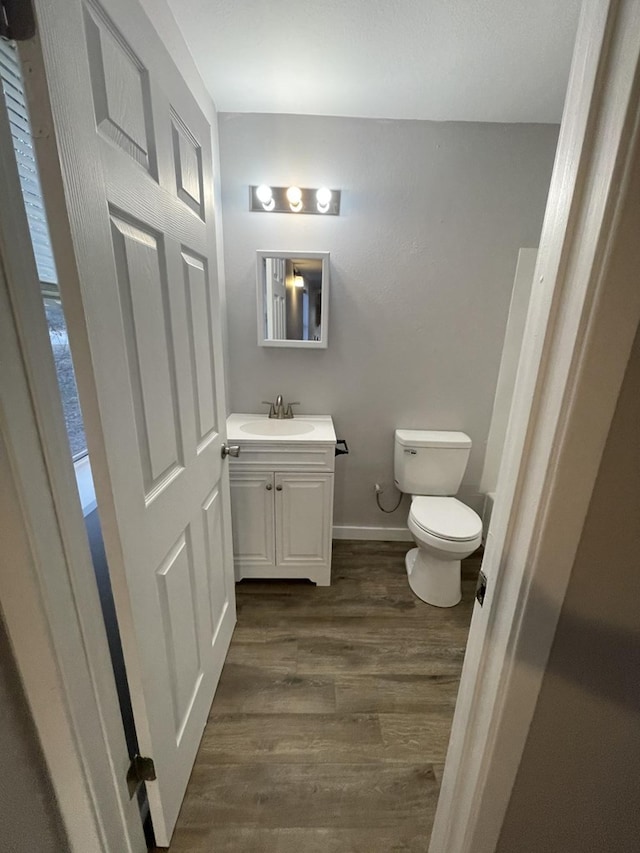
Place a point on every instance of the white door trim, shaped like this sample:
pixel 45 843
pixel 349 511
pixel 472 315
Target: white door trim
pixel 584 315
pixel 48 593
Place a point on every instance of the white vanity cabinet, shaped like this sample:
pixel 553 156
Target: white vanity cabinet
pixel 282 500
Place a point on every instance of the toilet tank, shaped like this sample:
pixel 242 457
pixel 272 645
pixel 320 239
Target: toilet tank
pixel 430 462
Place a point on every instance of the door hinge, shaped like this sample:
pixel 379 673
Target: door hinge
pixel 140 770
pixel 481 588
pixel 17 21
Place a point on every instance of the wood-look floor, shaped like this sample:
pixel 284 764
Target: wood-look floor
pixel 329 728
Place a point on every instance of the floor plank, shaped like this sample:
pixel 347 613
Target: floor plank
pixel 279 655
pixel 326 653
pixel 406 694
pixel 292 738
pixel 246 688
pixel 411 737
pixel 296 840
pixel 312 795
pixel 330 725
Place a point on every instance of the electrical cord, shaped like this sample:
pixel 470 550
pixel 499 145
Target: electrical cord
pixel 378 493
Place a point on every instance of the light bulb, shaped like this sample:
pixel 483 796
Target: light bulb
pixel 298 281
pixel 294 197
pixel 324 196
pixel 264 194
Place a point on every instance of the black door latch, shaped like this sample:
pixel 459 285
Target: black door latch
pixel 481 588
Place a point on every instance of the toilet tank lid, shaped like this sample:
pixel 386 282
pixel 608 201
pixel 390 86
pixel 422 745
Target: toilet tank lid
pixel 432 438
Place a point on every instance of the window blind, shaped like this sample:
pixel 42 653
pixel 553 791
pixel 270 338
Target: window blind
pixel 14 96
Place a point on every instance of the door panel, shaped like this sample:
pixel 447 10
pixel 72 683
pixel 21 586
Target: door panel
pixel 176 592
pixel 120 89
pixel 144 302
pixel 219 597
pixel 137 268
pixel 201 349
pixel 188 165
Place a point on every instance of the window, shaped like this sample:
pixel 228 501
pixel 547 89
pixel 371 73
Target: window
pixel 13 90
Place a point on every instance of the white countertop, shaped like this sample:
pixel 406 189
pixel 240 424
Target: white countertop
pixel 322 432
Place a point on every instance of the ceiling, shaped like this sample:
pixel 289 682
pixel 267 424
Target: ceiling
pixel 443 60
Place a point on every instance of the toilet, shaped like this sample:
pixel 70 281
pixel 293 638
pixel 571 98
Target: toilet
pixel 429 465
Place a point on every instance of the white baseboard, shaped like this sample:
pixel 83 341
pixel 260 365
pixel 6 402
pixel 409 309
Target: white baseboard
pixel 384 534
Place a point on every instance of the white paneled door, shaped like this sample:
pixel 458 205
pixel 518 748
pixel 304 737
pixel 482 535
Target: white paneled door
pixel 275 299
pixel 137 266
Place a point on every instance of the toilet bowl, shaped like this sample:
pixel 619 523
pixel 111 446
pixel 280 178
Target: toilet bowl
pixel 429 465
pixel 445 531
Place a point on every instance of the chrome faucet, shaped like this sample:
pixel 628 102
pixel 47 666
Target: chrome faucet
pixel 279 410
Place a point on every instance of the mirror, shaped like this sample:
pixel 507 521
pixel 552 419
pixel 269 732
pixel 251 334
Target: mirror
pixel 293 299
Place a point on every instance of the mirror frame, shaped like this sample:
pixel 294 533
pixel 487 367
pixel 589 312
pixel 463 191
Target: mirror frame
pixel 262 254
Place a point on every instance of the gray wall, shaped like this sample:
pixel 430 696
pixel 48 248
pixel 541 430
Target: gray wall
pixel 29 816
pixel 578 786
pixel 423 257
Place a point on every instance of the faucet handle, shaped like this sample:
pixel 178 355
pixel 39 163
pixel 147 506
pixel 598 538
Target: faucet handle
pixel 289 413
pixel 272 410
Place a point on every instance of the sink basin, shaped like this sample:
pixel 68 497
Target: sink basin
pixel 272 426
pixel 246 428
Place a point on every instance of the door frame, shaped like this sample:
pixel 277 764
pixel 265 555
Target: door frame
pixel 577 359
pixel 48 593
pixel 583 318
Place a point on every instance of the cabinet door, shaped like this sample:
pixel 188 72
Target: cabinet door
pixel 304 509
pixel 252 519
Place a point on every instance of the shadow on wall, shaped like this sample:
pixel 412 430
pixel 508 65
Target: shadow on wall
pixel 29 817
pixel 96 546
pixel 592 655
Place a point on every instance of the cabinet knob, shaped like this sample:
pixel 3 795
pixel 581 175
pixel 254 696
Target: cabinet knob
pixel 268 487
pixel 278 488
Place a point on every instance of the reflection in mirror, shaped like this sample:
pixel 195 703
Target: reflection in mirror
pixel 293 298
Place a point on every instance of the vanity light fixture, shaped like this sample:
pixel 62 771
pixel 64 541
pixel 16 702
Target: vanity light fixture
pixel 294 199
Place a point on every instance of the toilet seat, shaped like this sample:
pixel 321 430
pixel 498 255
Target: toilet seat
pixel 445 518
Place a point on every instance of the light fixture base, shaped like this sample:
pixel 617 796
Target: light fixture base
pixel 308 202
